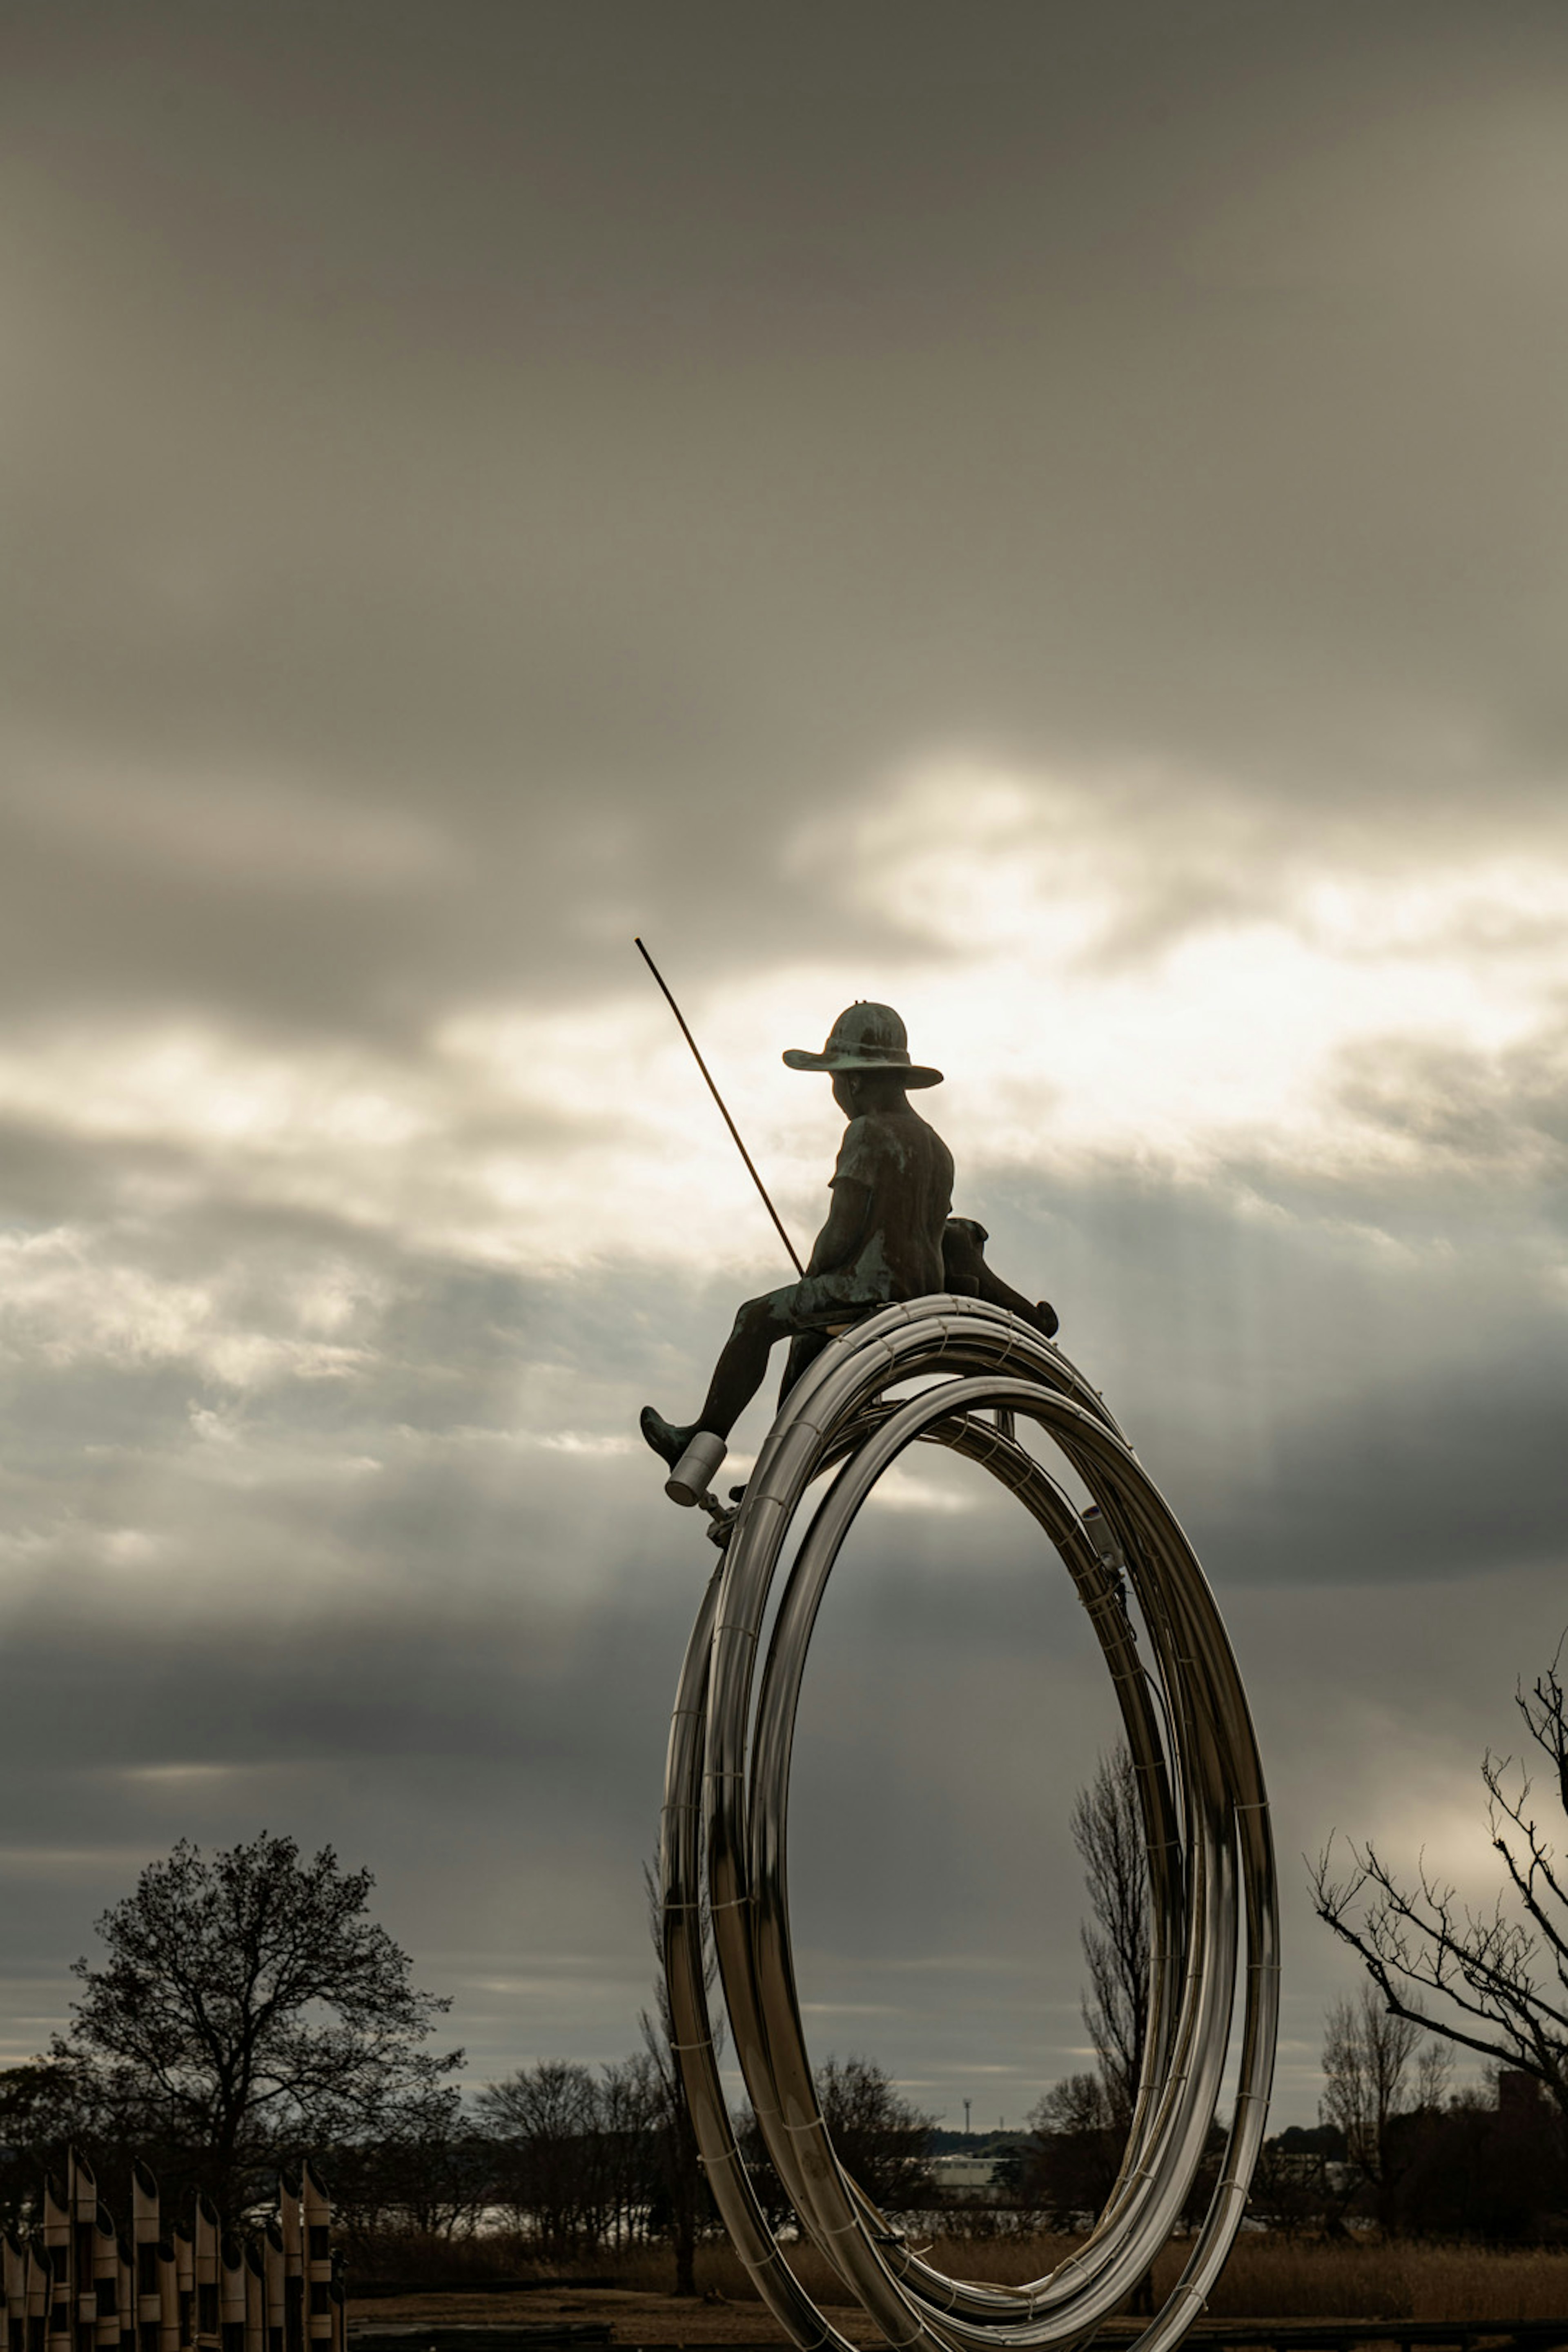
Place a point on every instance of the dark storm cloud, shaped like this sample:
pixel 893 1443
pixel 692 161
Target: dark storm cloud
pixel 1335 1380
pixel 1490 1117
pixel 594 441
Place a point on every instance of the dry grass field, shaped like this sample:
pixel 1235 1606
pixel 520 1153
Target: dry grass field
pixel 1280 2278
pixel 1266 2278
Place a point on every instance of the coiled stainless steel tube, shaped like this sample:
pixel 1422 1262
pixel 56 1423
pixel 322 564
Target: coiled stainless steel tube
pixel 1206 1819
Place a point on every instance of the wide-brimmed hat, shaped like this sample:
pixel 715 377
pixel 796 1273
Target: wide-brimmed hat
pixel 867 1037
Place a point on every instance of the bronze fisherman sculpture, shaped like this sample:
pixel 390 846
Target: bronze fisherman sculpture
pixel 889 1236
pixel 903 1361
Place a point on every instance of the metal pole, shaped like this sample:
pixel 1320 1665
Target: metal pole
pixel 719 1100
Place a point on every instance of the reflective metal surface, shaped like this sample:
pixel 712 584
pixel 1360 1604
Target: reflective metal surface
pixel 1214 1982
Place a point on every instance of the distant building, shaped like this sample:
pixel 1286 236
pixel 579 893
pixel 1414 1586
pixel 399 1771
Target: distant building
pixel 965 2176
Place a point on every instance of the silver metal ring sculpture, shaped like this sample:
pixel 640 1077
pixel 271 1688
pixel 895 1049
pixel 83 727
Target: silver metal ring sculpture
pixel 1210 1853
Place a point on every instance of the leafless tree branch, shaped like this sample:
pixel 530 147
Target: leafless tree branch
pixel 1498 1977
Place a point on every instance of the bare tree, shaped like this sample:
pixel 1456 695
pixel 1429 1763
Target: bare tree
pixel 1501 1976
pixel 1074 2158
pixel 682 2189
pixel 879 2137
pixel 249 2007
pixel 49 2105
pixel 428 2176
pixel 1080 2124
pixel 1366 2058
pixel 571 2148
pixel 1106 1823
pixel 1377 2065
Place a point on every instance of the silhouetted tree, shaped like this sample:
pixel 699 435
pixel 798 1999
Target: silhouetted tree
pixel 1298 2182
pixel 683 2206
pixel 428 2175
pixel 1076 2153
pixel 48 2106
pixel 250 2007
pixel 542 2121
pixel 881 2139
pixel 584 2160
pixel 1499 1978
pixel 1106 1825
pixel 1081 2126
pixel 1487 2165
pixel 1377 2067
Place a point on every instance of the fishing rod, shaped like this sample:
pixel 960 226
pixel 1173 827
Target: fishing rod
pixel 751 1166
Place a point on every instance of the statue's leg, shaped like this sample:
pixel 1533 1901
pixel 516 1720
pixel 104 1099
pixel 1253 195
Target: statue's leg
pixel 741 1368
pixel 803 1349
pixel 695 1450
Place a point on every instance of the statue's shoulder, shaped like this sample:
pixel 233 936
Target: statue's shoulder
pixel 894 1144
pixel 934 1144
pixel 864 1143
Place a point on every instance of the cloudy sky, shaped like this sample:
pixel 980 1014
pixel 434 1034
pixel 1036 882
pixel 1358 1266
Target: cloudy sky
pixel 1050 515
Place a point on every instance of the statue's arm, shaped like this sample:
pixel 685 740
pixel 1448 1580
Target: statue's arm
pixel 840 1238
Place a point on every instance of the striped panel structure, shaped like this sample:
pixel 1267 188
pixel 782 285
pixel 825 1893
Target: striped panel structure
pixel 76 2283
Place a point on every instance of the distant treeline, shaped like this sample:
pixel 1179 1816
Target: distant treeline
pixel 567 2161
pixel 1489 2164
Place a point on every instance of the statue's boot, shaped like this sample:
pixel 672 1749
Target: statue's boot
pixel 694 1456
pixel 668 1440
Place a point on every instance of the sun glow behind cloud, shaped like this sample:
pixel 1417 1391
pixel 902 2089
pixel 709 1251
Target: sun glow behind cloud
pixel 526 1136
pixel 1227 1042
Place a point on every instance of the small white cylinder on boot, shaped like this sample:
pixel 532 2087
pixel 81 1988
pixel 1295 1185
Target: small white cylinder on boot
pixel 698 1467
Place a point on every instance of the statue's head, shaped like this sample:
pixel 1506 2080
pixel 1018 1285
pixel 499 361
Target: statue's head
pixel 866 1040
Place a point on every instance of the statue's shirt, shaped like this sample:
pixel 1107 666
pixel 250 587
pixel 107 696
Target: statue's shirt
pixel 908 1171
